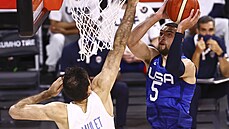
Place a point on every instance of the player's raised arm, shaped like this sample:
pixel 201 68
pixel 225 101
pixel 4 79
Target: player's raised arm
pixel 106 78
pixel 178 67
pixel 29 109
pixel 137 47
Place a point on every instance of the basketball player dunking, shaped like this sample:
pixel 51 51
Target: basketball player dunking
pixel 92 107
pixel 171 78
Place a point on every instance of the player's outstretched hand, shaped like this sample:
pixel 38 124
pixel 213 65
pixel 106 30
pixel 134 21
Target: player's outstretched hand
pixel 161 13
pixel 189 21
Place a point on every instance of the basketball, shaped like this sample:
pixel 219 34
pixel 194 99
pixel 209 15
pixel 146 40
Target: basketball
pixel 177 10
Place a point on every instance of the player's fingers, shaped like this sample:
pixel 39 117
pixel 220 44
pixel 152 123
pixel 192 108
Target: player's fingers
pixel 197 15
pixel 191 14
pixel 58 82
pixel 55 82
pixel 60 88
pixel 165 2
pixel 59 79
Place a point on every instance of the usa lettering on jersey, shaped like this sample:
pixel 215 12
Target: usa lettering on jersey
pixel 158 79
pixel 165 78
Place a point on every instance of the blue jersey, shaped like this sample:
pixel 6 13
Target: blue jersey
pixel 168 98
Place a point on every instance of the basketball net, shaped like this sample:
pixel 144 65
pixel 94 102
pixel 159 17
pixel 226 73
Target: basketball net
pixel 96 25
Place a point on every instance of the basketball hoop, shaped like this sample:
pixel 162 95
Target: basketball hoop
pixel 96 25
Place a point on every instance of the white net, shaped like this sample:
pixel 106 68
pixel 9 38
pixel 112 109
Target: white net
pixel 96 25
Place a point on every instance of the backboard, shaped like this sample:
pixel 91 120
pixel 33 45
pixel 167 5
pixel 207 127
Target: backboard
pixel 8 14
pixel 31 14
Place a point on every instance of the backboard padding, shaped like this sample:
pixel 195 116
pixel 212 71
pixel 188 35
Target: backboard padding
pixel 29 23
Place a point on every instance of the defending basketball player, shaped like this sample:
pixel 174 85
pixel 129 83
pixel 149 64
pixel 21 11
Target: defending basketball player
pixel 171 77
pixel 92 107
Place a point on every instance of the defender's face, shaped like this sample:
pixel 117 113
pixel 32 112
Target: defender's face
pixel 206 29
pixel 167 34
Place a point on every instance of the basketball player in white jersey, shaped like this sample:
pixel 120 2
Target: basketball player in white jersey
pixel 92 107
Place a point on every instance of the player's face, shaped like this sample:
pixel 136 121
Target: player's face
pixel 167 35
pixel 206 29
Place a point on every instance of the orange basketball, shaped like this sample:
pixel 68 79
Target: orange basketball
pixel 177 10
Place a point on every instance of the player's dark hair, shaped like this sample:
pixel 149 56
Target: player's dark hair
pixel 172 24
pixel 75 83
pixel 205 19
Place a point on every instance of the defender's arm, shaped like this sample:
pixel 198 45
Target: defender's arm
pixel 28 109
pixel 105 79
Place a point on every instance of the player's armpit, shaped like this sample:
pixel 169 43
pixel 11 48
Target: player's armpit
pixel 189 75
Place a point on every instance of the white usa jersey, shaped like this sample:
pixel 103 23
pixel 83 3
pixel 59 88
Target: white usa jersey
pixel 142 12
pixel 96 116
